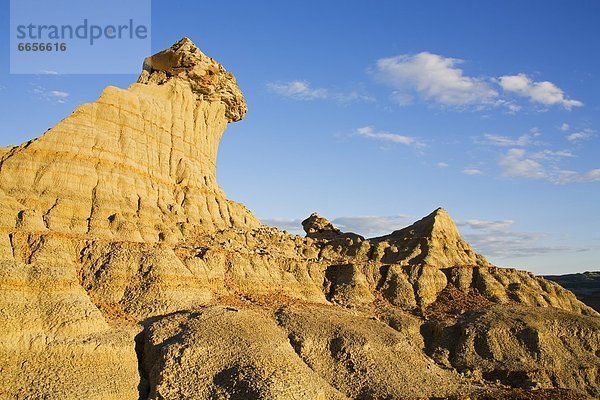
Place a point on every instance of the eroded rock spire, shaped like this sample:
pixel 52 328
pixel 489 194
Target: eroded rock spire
pixel 207 78
pixel 137 164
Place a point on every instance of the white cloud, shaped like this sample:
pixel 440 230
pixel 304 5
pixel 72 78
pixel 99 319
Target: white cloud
pixel 543 164
pixel 510 244
pixel 515 164
pixel 303 90
pixel 472 171
pixel 433 77
pixel 581 135
pixel 349 97
pixel 564 127
pixel 298 90
pixel 488 225
pixel 543 92
pixel 565 176
pixel 499 140
pixel 402 99
pixel 512 107
pixel 552 154
pixel 496 239
pixel 441 165
pixel 369 132
pixel 58 96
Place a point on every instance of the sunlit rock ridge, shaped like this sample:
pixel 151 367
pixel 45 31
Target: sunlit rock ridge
pixel 137 164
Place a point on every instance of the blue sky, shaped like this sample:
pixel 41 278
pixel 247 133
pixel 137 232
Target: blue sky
pixel 376 113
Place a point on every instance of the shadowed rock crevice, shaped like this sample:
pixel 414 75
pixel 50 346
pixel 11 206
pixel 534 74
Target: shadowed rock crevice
pixel 144 385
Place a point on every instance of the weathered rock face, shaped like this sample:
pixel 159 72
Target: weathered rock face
pixel 207 78
pixel 433 240
pixel 520 348
pixel 227 353
pixel 366 358
pixel 54 342
pixel 318 227
pixel 137 164
pixel 127 274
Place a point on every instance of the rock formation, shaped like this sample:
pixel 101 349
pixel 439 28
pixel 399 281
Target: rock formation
pixel 127 274
pixel 137 163
pixel 317 227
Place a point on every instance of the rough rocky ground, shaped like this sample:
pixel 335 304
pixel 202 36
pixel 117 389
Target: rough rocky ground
pixel 126 273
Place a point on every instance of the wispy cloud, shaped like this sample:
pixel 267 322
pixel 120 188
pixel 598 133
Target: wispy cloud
pixel 433 77
pixel 552 154
pixel 370 132
pixel 352 96
pixel 544 92
pixel 298 90
pixel 566 176
pixel 442 165
pixel 499 140
pixel 472 171
pixel 57 96
pixel 402 99
pixel 486 225
pixel 303 90
pixel 580 135
pixel 497 239
pixel 521 161
pixel 517 163
pixel 505 244
pixel 564 127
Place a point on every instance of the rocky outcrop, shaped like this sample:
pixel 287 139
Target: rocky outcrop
pixel 317 227
pixel 137 164
pixel 227 353
pixel 54 342
pixel 207 79
pixel 364 357
pixel 433 240
pixel 127 274
pixel 543 349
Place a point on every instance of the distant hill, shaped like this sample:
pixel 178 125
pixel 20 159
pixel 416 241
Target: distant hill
pixel 586 286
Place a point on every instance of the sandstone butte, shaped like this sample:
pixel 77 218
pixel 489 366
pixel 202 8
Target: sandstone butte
pixel 126 273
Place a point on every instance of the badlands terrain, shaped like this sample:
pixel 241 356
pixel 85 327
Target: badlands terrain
pixel 126 273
